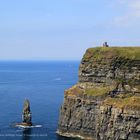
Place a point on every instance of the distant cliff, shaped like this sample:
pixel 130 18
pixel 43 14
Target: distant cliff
pixel 105 103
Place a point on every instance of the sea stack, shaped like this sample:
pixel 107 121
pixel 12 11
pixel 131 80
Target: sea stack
pixel 26 116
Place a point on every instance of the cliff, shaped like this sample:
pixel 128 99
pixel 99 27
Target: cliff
pixel 105 103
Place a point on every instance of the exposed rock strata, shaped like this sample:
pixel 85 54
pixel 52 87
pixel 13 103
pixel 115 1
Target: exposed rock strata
pixel 105 104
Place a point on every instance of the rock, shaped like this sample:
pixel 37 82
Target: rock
pixel 26 116
pixel 103 105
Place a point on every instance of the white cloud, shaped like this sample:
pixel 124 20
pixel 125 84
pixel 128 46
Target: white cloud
pixel 132 15
pixel 135 4
pixel 130 3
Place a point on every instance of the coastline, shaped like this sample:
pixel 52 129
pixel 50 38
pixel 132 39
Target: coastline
pixel 73 135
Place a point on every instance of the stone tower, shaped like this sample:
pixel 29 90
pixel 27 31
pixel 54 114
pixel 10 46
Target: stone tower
pixel 105 44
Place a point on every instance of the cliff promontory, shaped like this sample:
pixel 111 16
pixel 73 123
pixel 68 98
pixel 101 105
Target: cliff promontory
pixel 105 103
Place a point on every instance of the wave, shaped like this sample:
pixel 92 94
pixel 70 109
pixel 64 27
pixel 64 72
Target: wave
pixel 57 79
pixel 34 126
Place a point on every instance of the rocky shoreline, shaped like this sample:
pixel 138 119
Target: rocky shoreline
pixel 72 135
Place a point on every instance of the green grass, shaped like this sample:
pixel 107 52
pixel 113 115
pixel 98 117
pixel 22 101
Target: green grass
pixel 127 103
pixel 99 90
pixel 96 90
pixel 73 91
pixel 132 53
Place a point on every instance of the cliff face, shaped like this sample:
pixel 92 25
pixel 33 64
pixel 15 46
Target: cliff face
pixel 105 103
pixel 103 65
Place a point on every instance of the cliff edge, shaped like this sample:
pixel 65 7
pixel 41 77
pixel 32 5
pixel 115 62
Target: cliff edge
pixel 105 103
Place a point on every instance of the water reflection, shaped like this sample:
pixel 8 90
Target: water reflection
pixel 26 134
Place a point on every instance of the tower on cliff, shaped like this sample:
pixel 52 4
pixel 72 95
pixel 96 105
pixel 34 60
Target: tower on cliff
pixel 105 44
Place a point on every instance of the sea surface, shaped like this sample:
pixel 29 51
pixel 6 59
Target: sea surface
pixel 43 83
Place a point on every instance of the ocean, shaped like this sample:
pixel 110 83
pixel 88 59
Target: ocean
pixel 43 83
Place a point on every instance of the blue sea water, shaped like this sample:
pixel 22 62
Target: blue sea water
pixel 43 83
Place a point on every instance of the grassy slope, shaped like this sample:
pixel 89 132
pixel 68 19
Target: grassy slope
pixel 127 103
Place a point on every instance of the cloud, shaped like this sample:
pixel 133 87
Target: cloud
pixel 135 5
pixel 131 16
pixel 130 3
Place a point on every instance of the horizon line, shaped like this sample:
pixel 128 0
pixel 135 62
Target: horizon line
pixel 37 60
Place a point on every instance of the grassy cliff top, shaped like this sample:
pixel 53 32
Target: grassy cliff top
pixel 132 53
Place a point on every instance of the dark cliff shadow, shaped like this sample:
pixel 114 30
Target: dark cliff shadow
pixel 26 134
pixel 66 138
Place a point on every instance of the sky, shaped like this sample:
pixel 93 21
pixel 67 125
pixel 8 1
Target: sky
pixel 64 29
